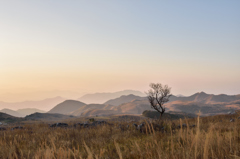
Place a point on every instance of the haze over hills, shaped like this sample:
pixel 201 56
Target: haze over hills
pixel 101 98
pixel 21 112
pixel 203 97
pixel 12 112
pixel 6 118
pixel 17 96
pixel 28 111
pixel 45 104
pixel 208 104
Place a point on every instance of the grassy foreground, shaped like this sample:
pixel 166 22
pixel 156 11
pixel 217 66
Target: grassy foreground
pixel 213 137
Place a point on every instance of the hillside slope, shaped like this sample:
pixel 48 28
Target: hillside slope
pixel 8 118
pixel 89 107
pixel 207 104
pixel 67 107
pixel 47 117
pixel 124 99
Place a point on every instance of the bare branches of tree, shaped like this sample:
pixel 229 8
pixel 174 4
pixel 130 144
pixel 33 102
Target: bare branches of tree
pixel 158 95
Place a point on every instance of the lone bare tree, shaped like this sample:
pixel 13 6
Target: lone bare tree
pixel 158 95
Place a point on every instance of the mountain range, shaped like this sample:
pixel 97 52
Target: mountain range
pixel 6 118
pixel 45 104
pixel 21 112
pixel 100 98
pixel 49 103
pixel 207 104
pixel 124 99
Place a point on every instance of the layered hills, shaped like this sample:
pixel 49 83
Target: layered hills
pixel 45 104
pixel 21 112
pixel 47 117
pixel 11 112
pixel 101 98
pixel 84 109
pixel 207 104
pixel 6 118
pixel 28 111
pixel 124 99
pixel 67 107
pixel 203 97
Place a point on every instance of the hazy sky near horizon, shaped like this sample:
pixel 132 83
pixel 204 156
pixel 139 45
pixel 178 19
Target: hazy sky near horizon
pixel 106 46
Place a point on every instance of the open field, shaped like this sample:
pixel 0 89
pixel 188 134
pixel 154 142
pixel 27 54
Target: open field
pixel 212 137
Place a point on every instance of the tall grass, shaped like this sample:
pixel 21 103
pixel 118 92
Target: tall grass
pixel 211 138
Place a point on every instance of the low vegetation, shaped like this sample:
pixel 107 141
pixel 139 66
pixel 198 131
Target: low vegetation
pixel 169 115
pixel 211 137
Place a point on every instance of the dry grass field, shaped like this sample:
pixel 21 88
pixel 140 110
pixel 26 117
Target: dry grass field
pixel 212 137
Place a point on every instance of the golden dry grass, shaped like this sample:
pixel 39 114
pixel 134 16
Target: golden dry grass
pixel 211 138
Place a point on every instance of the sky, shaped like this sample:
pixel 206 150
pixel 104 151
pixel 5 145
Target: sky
pixel 69 48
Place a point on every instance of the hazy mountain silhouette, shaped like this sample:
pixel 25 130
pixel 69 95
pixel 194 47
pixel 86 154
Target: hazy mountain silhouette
pixel 208 104
pixel 6 118
pixel 202 97
pixel 21 112
pixel 28 111
pixel 180 95
pixel 67 107
pixel 124 99
pixel 45 104
pixel 12 112
pixel 101 98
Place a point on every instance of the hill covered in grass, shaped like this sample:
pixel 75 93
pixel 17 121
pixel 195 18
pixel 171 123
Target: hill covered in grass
pixel 6 118
pixel 48 117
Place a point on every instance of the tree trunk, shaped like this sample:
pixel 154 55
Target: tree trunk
pixel 161 113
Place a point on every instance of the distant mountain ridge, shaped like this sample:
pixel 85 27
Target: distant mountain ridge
pixel 21 112
pixel 100 98
pixel 124 99
pixel 208 104
pixel 132 104
pixel 45 104
pixel 6 118
pixel 28 111
pixel 203 97
pixel 12 112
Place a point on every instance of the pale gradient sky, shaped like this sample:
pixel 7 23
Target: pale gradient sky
pixel 107 46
